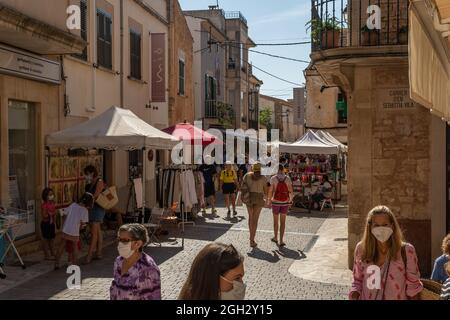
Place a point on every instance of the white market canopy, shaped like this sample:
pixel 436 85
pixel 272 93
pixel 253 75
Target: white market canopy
pixel 310 143
pixel 328 137
pixel 114 129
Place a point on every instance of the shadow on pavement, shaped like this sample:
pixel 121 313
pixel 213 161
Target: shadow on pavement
pixel 259 254
pixel 205 231
pixel 291 254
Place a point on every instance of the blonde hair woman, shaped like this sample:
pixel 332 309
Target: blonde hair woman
pixel 382 245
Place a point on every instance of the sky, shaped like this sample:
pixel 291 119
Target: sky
pixel 271 21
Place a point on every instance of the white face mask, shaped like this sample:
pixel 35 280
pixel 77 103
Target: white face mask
pixel 89 178
pixel 51 198
pixel 237 293
pixel 125 250
pixel 382 233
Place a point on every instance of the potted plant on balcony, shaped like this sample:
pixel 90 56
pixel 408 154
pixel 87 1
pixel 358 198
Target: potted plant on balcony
pixel 369 37
pixel 403 35
pixel 325 34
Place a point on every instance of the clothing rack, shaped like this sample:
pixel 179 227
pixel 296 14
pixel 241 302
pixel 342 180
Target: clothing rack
pixel 182 168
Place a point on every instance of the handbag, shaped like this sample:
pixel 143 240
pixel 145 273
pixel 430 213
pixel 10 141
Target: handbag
pixel 239 202
pixel 245 193
pixel 108 199
pixel 431 289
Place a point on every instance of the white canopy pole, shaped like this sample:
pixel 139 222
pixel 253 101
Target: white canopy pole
pixel 144 173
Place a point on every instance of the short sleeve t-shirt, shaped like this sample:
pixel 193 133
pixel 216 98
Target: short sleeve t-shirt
pixel 76 214
pixel 228 176
pixel 208 172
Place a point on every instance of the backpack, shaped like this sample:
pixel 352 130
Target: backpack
pixel 282 191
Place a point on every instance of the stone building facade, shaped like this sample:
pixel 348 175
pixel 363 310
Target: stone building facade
pixel 181 80
pixel 396 146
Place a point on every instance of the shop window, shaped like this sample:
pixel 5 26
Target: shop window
pixel 135 54
pixel 181 77
pixel 104 39
pixel 84 29
pixel 22 135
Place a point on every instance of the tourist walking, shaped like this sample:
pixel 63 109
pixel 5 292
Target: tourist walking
pixel 439 273
pixel 216 274
pixel 48 228
pixel 254 191
pixel 382 246
pixel 95 186
pixel 208 169
pixel 136 275
pixel 280 199
pixel 228 185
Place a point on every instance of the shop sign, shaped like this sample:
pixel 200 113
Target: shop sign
pixel 395 99
pixel 26 65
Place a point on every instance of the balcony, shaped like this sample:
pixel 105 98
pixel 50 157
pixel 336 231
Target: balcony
pixel 235 15
pixel 343 23
pixel 221 111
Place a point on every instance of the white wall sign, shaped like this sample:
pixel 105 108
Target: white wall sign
pixel 26 65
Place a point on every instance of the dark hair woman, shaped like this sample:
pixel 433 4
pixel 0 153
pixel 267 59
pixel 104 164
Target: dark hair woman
pixel 216 274
pixel 48 229
pixel 95 186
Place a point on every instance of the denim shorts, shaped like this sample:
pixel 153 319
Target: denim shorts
pixel 96 214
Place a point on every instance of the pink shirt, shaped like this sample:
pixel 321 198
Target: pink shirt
pixel 399 285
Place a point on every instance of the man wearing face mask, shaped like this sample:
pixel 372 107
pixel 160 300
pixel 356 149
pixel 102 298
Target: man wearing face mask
pixel 216 274
pixel 382 248
pixel 136 275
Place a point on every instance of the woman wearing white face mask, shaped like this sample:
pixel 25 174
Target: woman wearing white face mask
pixel 382 246
pixel 136 275
pixel 216 274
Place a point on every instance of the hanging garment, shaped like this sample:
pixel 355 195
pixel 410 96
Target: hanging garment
pixel 200 188
pixel 177 189
pixel 188 189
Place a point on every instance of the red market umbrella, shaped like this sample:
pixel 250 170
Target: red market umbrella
pixel 188 132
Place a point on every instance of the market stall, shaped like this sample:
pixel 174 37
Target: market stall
pixel 310 159
pixel 183 184
pixel 115 129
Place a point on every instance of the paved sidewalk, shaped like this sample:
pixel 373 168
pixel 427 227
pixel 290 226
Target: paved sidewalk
pixel 270 272
pixel 327 262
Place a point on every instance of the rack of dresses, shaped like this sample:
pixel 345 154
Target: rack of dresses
pixel 179 185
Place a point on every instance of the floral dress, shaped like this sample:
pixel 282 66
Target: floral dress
pixel 141 282
pixel 399 284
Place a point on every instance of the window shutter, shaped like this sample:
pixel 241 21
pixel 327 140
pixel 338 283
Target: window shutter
pixel 108 42
pixel 100 38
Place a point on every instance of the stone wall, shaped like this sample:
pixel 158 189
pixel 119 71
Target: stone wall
pixel 181 106
pixel 389 140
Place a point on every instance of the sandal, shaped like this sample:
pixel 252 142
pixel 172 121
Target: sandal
pixel 282 244
pixel 274 240
pixel 253 244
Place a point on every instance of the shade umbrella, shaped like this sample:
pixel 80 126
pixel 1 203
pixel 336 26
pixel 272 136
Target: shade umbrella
pixel 192 134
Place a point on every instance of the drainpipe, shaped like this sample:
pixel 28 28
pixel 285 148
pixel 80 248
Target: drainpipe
pixel 121 55
pixel 94 60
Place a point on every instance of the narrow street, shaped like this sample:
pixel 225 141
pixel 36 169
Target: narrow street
pixel 270 272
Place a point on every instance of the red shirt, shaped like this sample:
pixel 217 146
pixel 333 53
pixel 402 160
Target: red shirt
pixel 51 210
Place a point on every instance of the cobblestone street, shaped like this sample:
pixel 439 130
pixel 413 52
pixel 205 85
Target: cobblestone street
pixel 267 267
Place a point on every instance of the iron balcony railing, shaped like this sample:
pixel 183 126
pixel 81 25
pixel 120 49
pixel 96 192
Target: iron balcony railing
pixel 344 23
pixel 216 109
pixel 235 15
